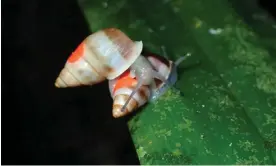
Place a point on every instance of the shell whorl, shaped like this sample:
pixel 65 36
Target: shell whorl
pixel 115 50
pixel 121 96
pixel 121 93
pixel 104 54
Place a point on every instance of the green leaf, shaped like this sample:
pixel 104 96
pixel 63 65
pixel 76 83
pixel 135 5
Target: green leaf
pixel 227 114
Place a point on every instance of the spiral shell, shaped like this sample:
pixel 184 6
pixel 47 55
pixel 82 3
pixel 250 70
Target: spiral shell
pixel 121 87
pixel 105 54
pixel 120 90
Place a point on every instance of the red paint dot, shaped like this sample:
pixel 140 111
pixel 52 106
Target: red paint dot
pixel 77 54
pixel 124 81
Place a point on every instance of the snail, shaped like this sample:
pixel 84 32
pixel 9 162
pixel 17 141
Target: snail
pixel 120 90
pixel 105 54
pixel 145 81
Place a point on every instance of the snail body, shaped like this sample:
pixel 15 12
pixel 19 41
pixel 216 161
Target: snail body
pixel 134 79
pixel 105 54
pixel 167 69
pixel 144 82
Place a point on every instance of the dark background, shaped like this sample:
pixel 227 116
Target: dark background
pixel 42 124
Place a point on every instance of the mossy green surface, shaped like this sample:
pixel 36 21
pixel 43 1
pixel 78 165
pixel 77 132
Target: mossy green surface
pixel 227 114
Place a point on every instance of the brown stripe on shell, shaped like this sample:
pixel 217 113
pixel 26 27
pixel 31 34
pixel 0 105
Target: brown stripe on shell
pixel 118 113
pixel 105 69
pixel 133 103
pixel 87 79
pixel 158 57
pixel 100 59
pixel 62 81
pixel 65 74
pixel 123 43
pixel 124 96
pixel 74 76
pixel 108 69
pixel 91 66
pixel 119 107
pixel 142 92
pixel 92 47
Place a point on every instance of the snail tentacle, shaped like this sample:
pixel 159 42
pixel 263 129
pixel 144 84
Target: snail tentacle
pixel 181 59
pixel 138 86
pixel 145 75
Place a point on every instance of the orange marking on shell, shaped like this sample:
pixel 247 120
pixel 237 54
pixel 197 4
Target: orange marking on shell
pixel 125 80
pixel 77 54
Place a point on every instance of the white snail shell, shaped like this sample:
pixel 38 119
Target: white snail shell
pixel 120 90
pixel 128 83
pixel 103 55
